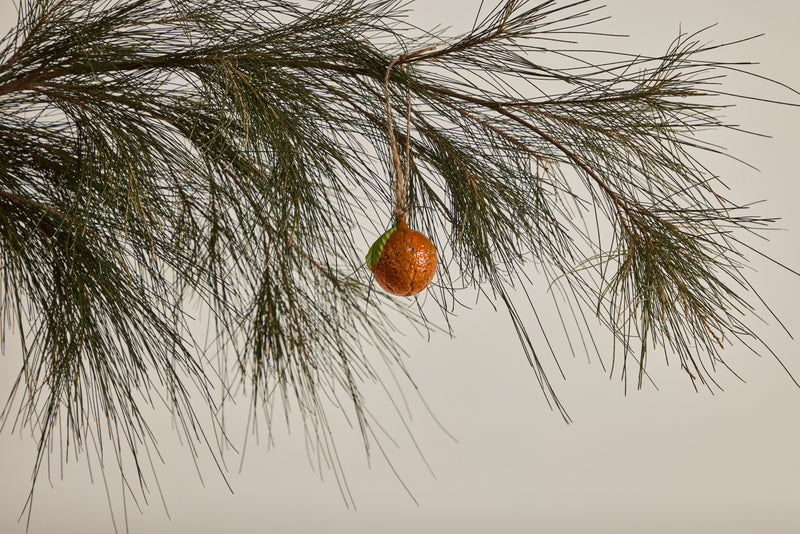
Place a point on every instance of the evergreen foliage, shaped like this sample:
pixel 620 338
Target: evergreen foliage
pixel 159 157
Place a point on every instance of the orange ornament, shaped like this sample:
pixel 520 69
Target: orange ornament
pixel 403 261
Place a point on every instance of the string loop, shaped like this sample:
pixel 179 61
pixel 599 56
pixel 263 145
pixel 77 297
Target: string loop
pixel 400 180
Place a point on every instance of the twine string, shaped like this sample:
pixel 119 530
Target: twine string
pixel 402 175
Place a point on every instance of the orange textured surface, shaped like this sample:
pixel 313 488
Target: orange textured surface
pixel 407 263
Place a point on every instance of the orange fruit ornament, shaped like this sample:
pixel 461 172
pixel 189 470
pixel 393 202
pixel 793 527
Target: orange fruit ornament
pixel 403 261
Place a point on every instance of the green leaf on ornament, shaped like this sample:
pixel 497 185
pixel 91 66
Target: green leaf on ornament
pixel 375 250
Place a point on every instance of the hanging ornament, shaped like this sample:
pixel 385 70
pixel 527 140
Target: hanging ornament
pixel 403 261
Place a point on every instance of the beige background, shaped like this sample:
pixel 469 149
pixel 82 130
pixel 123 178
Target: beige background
pixel 652 461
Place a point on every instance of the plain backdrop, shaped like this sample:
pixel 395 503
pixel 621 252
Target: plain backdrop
pixel 666 460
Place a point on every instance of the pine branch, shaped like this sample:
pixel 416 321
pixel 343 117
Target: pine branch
pixel 162 154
